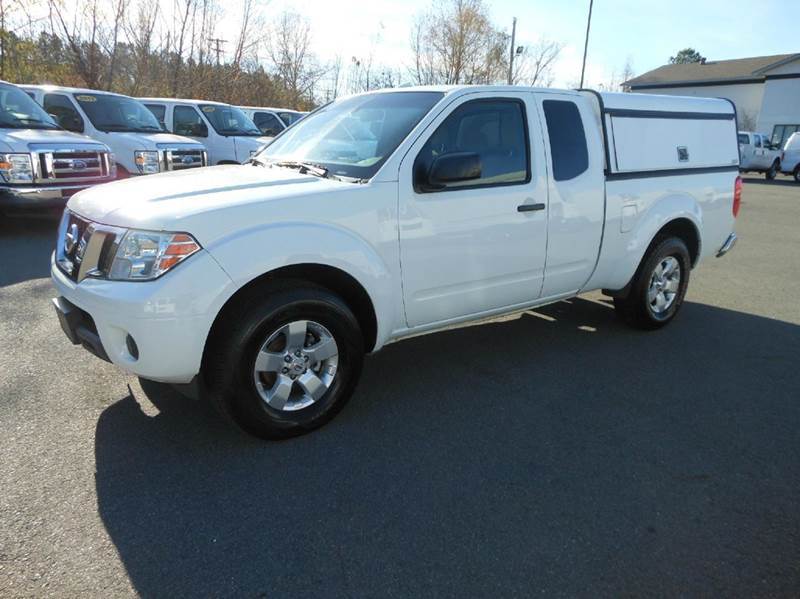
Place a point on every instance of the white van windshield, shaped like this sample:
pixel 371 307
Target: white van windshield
pixel 109 112
pixel 229 120
pixel 352 137
pixel 19 111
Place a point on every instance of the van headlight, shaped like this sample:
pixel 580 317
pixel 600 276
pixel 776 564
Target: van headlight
pixel 147 161
pixel 146 255
pixel 16 168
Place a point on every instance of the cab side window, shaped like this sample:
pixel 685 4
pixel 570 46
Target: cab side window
pixel 568 149
pixel 63 111
pixel 159 111
pixel 187 121
pixel 268 123
pixel 758 140
pixel 493 131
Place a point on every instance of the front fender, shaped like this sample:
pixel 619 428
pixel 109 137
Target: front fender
pixel 624 256
pixel 250 253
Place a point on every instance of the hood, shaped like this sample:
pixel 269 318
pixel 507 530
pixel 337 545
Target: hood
pixel 182 200
pixel 20 140
pixel 132 141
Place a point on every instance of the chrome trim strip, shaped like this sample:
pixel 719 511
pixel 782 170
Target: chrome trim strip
pixel 728 245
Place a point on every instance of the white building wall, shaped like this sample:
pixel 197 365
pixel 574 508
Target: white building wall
pixel 781 104
pixel 746 96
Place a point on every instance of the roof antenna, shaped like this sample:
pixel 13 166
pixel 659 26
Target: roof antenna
pixel 586 44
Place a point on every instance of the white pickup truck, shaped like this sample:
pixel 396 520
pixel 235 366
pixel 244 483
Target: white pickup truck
pixel 757 154
pixel 385 215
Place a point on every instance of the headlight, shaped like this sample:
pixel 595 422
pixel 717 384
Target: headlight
pixel 16 168
pixel 146 161
pixel 146 255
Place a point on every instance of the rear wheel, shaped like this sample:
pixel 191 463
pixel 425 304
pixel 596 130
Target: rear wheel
pixel 796 173
pixel 286 362
pixel 658 287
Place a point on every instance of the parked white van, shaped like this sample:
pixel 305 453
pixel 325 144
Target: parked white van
pixel 790 157
pixel 272 121
pixel 227 133
pixel 41 165
pixel 140 144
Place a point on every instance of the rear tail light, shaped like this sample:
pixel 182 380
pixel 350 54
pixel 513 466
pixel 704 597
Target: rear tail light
pixel 737 196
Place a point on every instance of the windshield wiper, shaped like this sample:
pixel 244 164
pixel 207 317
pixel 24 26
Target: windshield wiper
pixel 306 168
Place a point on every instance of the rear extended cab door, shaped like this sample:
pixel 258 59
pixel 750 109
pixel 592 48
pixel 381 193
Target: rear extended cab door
pixel 576 190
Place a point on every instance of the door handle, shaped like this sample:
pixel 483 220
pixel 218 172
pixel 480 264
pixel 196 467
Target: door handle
pixel 530 207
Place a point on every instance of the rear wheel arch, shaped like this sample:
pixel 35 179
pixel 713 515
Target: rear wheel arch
pixel 686 231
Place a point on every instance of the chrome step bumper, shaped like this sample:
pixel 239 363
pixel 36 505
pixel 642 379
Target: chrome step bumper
pixel 728 245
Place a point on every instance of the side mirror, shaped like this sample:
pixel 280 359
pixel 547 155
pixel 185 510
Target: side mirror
pixel 453 168
pixel 201 130
pixel 269 131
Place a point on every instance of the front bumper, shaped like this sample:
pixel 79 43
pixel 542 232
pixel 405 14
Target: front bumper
pixel 32 198
pixel 168 319
pixel 728 245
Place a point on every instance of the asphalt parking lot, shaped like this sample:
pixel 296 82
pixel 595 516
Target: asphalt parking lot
pixel 555 454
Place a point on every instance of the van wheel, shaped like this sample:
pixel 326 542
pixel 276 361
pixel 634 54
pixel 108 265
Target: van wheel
pixel 796 173
pixel 658 287
pixel 773 171
pixel 285 361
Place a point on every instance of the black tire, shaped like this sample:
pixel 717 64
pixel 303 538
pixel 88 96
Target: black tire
pixel 228 365
pixel 773 171
pixel 635 308
pixel 796 173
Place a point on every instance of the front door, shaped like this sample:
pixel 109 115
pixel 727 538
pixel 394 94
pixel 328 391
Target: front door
pixel 473 246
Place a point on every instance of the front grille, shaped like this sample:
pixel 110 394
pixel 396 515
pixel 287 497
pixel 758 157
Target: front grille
pixel 73 165
pixel 179 159
pixel 85 249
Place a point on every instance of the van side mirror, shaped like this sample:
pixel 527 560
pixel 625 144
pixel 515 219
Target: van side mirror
pixel 453 168
pixel 200 130
pixel 69 122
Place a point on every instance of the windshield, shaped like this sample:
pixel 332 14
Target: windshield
pixel 118 113
pixel 19 111
pixel 290 118
pixel 353 137
pixel 229 120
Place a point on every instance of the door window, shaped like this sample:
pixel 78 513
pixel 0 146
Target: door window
pixel 568 149
pixel 159 111
pixel 268 123
pixel 494 129
pixel 64 112
pixel 187 121
pixel 758 140
pixel 744 139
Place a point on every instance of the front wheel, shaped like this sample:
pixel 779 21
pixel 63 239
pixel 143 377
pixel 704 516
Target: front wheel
pixel 773 171
pixel 285 362
pixel 796 173
pixel 658 287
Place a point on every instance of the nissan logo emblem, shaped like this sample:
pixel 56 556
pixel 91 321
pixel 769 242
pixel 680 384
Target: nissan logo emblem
pixel 71 238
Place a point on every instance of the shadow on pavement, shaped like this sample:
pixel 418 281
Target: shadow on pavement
pixel 790 182
pixel 25 247
pixel 556 454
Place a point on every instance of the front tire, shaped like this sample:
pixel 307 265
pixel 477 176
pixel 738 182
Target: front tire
pixel 773 171
pixel 658 288
pixel 285 361
pixel 796 173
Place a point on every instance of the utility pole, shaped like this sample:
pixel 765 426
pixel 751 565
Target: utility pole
pixel 513 51
pixel 218 46
pixel 586 43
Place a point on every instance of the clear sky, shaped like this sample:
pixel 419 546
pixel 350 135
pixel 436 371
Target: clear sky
pixel 648 32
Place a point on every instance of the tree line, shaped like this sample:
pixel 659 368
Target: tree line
pixel 173 48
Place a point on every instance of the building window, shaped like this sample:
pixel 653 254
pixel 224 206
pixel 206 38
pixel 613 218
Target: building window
pixel 780 133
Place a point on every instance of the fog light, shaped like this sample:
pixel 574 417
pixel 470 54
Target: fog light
pixel 133 349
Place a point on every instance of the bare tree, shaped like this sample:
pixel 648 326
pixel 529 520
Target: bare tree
pixel 81 37
pixel 534 66
pixel 290 52
pixel 456 42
